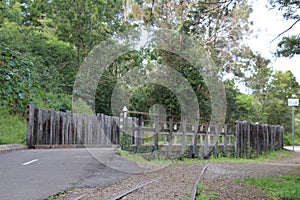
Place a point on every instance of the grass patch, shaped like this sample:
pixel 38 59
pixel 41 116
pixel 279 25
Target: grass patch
pixel 12 128
pixel 53 197
pixel 139 158
pixel 284 187
pixel 204 194
pixel 275 155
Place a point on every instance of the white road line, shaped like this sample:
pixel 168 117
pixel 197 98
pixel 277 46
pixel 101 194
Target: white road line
pixel 32 161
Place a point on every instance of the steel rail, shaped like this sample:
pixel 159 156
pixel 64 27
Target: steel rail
pixel 134 189
pixel 194 191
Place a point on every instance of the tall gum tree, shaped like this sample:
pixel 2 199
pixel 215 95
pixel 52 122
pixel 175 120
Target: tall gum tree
pixel 85 23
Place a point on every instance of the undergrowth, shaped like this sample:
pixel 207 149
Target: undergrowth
pixel 274 155
pixel 284 187
pixel 12 128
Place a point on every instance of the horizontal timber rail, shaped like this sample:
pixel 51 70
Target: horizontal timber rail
pixel 196 137
pixel 152 132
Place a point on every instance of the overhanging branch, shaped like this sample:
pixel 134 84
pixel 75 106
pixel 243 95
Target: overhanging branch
pixel 286 30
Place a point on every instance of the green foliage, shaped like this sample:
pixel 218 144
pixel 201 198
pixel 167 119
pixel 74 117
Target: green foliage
pixel 282 86
pixel 249 109
pixel 58 35
pixel 125 141
pixel 204 194
pixel 84 23
pixel 56 101
pixel 284 187
pixel 287 8
pixel 81 107
pixel 288 46
pixel 53 197
pixel 270 93
pixel 270 156
pixel 13 127
pixel 11 12
pixel 34 12
pixel 17 86
pixel 55 62
pixel 288 139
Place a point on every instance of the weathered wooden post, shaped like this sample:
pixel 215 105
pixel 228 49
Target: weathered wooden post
pixel 206 140
pixel 52 125
pixel 139 139
pixel 68 127
pixel 169 151
pixel 156 130
pixel 133 132
pixel 196 125
pixel 30 126
pixel 242 138
pixel 225 139
pixel 281 137
pixel 237 139
pixel 95 130
pixel 183 143
pixel 267 139
pixel 40 127
pixel 123 125
pixel 98 118
pixel 249 150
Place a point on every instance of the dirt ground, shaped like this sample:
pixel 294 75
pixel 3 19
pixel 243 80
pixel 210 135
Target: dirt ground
pixel 177 181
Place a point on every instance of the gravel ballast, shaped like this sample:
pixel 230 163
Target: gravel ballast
pixel 178 180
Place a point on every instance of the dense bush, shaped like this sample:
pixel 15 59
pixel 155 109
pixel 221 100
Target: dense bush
pixel 13 128
pixel 17 86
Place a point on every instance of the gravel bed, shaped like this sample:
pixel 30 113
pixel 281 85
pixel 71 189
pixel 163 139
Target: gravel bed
pixel 178 181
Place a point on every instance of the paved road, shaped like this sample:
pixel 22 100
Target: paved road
pixel 38 174
pixel 296 148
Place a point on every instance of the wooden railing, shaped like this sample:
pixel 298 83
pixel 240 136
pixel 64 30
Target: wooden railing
pixel 199 137
pixel 160 132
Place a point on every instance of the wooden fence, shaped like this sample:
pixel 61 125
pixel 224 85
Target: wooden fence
pixel 200 138
pixel 173 134
pixel 49 127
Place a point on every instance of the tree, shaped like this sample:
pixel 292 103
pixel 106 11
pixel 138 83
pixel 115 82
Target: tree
pixel 17 87
pixel 282 86
pixel 249 109
pixel 54 61
pixel 85 23
pixel 289 46
pixel 10 12
pixel 220 25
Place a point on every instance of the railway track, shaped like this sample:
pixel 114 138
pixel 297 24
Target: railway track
pixel 154 181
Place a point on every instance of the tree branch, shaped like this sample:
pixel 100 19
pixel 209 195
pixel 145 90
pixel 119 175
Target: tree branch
pixel 151 13
pixel 212 3
pixel 286 30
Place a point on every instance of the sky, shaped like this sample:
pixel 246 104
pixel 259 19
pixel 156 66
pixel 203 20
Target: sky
pixel 267 24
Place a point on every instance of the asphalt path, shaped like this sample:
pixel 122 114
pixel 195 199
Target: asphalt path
pixel 38 174
pixel 296 148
